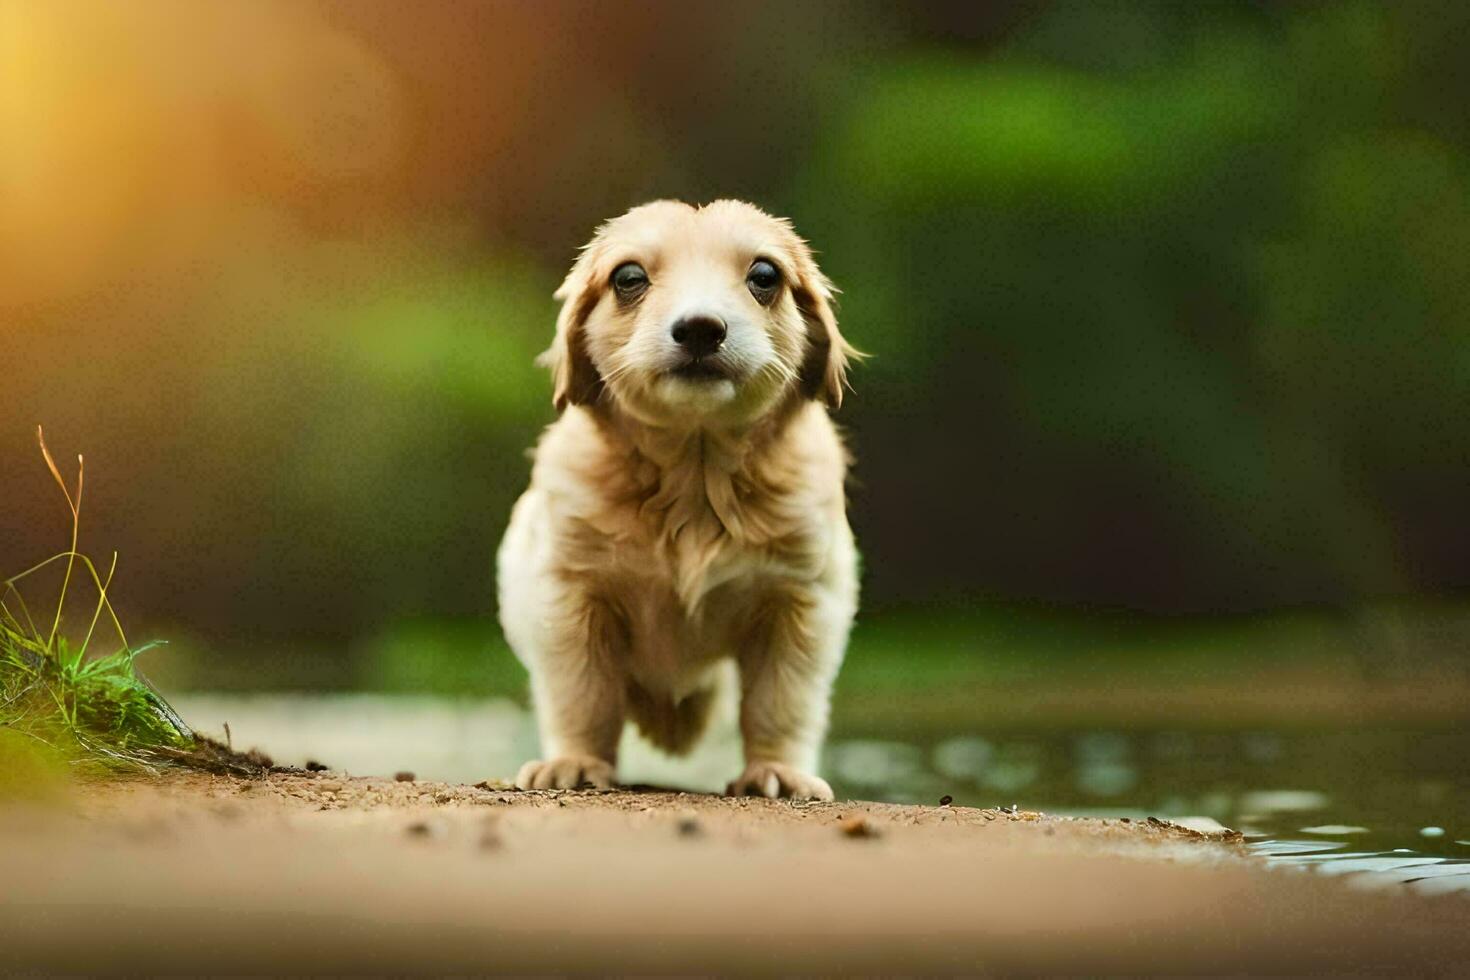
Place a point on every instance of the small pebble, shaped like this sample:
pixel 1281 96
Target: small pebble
pixel 403 777
pixel 689 827
pixel 313 766
pixel 857 827
pixel 946 800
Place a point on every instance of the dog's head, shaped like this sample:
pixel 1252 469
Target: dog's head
pixel 685 315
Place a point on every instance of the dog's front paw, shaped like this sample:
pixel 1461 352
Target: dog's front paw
pixel 566 772
pixel 773 779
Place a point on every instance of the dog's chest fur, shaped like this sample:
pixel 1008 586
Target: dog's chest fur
pixel 699 517
pixel 709 527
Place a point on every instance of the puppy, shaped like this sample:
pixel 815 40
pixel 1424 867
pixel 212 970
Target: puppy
pixel 687 507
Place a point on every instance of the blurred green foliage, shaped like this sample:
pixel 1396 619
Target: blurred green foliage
pixel 1204 293
pixel 30 770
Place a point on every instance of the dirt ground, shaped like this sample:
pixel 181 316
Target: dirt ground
pixel 321 873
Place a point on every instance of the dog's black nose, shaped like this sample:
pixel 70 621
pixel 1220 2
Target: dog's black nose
pixel 699 335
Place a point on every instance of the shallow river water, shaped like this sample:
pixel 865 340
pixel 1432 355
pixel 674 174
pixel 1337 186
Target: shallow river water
pixel 1387 807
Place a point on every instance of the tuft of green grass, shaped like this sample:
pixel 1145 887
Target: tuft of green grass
pixel 61 694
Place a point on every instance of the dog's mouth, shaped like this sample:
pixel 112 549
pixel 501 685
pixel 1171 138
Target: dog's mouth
pixel 701 369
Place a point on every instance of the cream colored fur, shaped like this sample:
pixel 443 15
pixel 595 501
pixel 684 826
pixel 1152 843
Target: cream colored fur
pixel 672 524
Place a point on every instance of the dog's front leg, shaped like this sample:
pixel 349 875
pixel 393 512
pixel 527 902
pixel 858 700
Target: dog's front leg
pixel 786 674
pixel 577 688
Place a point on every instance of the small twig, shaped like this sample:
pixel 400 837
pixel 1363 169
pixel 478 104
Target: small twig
pixel 75 505
pixel 101 601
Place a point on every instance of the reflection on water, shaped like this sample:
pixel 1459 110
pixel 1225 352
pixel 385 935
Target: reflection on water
pixel 1382 807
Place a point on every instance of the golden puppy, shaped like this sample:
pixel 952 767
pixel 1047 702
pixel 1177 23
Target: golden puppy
pixel 687 508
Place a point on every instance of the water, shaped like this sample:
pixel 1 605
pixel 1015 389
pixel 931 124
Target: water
pixel 1385 807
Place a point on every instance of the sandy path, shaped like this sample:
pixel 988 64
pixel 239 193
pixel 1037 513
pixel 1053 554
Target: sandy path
pixel 327 874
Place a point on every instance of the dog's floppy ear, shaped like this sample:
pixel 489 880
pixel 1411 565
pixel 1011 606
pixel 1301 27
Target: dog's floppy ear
pixel 574 377
pixel 824 367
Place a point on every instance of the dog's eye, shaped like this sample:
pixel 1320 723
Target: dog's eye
pixel 762 280
pixel 629 279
